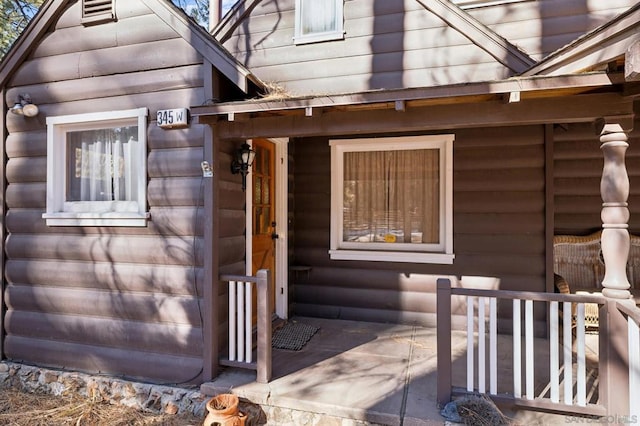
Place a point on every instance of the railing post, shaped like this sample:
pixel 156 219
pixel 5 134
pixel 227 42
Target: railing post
pixel 443 336
pixel 614 189
pixel 613 360
pixel 264 326
pixel 634 367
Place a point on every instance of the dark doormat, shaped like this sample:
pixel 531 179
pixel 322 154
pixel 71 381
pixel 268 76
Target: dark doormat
pixel 293 336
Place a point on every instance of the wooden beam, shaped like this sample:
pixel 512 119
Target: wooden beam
pixel 529 87
pixel 210 351
pixel 211 303
pixel 513 97
pixel 580 108
pixel 201 41
pixel 549 205
pixel 480 35
pixel 599 46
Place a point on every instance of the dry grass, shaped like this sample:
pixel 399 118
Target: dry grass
pixel 22 408
pixel 481 411
pixel 275 92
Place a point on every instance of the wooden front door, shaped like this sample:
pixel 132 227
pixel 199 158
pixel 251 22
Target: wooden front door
pixel 263 211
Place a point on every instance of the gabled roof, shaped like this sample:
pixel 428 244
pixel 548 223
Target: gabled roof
pixel 480 35
pixel 594 49
pixel 173 16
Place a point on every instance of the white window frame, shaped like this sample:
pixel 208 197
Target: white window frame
pixel 337 34
pixel 62 213
pixel 441 253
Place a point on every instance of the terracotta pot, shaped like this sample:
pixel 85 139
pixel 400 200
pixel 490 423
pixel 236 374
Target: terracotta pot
pixel 223 411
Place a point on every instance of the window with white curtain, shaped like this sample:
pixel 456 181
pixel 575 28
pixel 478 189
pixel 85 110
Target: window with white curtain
pixel 96 169
pixel 392 199
pixel 318 20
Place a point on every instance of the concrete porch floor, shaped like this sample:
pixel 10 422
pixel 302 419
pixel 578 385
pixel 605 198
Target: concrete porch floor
pixel 353 373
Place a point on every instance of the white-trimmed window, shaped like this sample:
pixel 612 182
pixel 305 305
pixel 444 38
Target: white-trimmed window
pixel 97 169
pixel 319 20
pixel 392 199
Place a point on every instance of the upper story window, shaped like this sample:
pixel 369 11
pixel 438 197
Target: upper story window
pixel 98 11
pixel 318 20
pixel 391 199
pixel 96 169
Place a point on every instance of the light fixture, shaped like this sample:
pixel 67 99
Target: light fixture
pixel 24 106
pixel 242 161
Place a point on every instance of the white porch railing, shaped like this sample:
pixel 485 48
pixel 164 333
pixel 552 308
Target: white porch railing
pixel 241 313
pixel 567 386
pixel 240 321
pixel 632 315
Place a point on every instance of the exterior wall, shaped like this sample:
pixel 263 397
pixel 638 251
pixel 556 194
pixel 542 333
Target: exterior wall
pixel 403 46
pixel 122 301
pixel 499 231
pixel 543 26
pixel 396 44
pixel 577 171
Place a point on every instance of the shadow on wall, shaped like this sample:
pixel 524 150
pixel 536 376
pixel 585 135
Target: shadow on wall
pixel 382 61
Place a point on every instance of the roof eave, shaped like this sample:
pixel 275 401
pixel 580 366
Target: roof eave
pixel 534 85
pixel 48 13
pixel 206 44
pixel 481 35
pixel 601 45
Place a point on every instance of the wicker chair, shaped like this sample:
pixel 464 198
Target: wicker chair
pixel 578 259
pixel 578 262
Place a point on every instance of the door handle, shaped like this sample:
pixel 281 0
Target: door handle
pixel 274 236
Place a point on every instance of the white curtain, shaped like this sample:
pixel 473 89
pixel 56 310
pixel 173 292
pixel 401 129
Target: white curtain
pixel 103 171
pixel 391 196
pixel 318 16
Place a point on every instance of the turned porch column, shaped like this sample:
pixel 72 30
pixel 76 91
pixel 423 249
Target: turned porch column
pixel 614 189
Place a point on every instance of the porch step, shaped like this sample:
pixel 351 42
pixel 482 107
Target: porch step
pixel 262 408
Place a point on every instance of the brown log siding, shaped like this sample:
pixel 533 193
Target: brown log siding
pixel 578 163
pixel 499 227
pixel 122 301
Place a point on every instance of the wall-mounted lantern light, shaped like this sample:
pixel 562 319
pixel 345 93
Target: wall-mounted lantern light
pixel 24 106
pixel 242 161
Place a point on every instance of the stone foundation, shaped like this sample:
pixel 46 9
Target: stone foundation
pixel 152 398
pixel 146 397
